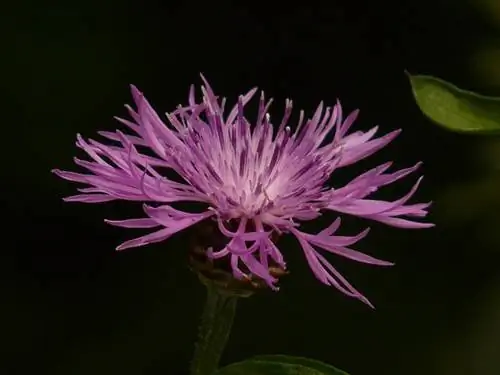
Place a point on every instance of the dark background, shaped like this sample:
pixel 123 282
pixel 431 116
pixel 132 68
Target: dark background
pixel 71 305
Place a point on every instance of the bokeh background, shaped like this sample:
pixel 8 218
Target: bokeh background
pixel 71 305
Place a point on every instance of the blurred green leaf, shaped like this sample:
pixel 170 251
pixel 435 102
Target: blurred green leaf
pixel 280 365
pixel 456 109
pixel 308 362
pixel 476 199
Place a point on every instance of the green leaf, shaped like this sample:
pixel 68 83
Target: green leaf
pixel 324 368
pixel 456 109
pixel 280 365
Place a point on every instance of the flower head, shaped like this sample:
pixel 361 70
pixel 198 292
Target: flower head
pixel 265 177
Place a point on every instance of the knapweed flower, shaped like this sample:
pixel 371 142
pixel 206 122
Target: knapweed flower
pixel 264 177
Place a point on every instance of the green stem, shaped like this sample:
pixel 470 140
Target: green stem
pixel 216 322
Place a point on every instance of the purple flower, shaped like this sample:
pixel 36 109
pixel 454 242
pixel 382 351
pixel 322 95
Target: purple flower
pixel 265 177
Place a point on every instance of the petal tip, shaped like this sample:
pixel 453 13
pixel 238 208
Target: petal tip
pixel 366 301
pixel 123 246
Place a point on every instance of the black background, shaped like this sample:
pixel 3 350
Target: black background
pixel 71 305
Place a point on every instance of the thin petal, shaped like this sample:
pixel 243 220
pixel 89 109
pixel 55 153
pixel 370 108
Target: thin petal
pixel 154 237
pixel 90 198
pixel 134 223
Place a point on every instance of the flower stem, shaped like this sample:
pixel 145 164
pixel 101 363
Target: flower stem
pixel 216 322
